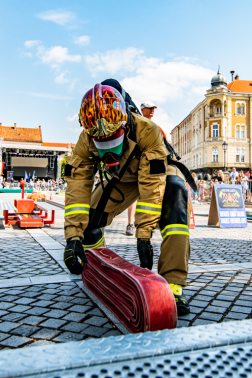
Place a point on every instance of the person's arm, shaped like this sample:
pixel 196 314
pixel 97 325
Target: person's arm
pixel 80 179
pixel 151 176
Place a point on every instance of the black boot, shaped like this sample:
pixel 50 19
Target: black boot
pixel 183 307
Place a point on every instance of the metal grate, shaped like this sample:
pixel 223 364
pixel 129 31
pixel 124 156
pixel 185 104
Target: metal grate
pixel 47 206
pixel 215 350
pixel 7 206
pixel 229 361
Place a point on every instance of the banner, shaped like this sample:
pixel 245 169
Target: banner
pixel 227 208
pixel 192 219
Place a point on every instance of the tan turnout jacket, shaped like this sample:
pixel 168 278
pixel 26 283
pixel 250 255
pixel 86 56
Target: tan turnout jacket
pixel 151 185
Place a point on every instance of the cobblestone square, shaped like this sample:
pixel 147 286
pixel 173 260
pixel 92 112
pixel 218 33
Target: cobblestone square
pixel 219 288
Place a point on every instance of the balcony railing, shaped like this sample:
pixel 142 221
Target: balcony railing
pixel 212 114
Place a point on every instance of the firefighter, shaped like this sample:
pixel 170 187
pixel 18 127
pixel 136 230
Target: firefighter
pixel 130 153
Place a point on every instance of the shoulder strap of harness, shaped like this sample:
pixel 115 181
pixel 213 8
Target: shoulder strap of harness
pixel 106 194
pixel 184 170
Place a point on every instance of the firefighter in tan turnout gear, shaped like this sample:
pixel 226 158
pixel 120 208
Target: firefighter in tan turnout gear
pixel 130 153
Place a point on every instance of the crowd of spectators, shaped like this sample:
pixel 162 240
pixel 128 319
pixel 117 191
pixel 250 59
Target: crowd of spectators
pixel 205 187
pixel 39 185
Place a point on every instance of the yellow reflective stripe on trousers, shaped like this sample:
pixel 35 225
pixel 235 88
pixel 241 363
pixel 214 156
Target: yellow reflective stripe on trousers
pixel 77 208
pixel 148 208
pixel 175 229
pixel 94 245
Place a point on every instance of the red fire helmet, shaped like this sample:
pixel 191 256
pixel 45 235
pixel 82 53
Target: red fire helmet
pixel 102 111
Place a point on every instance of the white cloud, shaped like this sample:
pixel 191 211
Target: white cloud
pixel 162 119
pixel 200 89
pixel 82 40
pixel 113 61
pixel 74 119
pixel 60 17
pixel 50 96
pixel 61 78
pixel 72 84
pixel 163 81
pixel 30 44
pixel 76 130
pixel 150 78
pixel 56 54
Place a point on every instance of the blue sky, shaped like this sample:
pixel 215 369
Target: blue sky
pixel 166 51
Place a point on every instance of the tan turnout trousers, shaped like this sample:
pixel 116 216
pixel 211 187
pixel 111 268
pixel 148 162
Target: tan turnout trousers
pixel 175 248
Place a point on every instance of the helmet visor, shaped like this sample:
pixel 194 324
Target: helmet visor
pixel 102 112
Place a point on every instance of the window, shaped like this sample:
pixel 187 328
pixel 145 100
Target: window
pixel 218 109
pixel 242 156
pixel 240 107
pixel 240 131
pixel 206 133
pixel 194 161
pixel 243 132
pixel 237 156
pixel 215 155
pixel 237 132
pixel 199 160
pixel 215 132
pixel 205 156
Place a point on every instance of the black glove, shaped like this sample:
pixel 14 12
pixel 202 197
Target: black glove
pixel 73 249
pixel 145 253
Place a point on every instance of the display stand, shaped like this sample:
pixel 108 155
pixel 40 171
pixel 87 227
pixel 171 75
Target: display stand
pixel 227 208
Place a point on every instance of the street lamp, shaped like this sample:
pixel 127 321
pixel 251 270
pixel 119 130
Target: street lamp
pixel 225 146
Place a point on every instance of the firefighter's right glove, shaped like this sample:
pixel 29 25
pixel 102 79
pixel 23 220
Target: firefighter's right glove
pixel 145 253
pixel 73 250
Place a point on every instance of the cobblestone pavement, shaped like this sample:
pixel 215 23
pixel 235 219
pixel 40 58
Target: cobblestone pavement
pixel 21 256
pixel 50 313
pixel 63 311
pixel 209 245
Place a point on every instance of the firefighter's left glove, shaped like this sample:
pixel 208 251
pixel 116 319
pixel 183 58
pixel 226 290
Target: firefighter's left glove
pixel 73 250
pixel 145 253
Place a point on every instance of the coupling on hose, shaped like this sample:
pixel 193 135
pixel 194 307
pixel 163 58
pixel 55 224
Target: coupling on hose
pixel 145 253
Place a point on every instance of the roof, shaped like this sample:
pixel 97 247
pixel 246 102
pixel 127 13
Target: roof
pixel 240 86
pixel 58 145
pixel 20 134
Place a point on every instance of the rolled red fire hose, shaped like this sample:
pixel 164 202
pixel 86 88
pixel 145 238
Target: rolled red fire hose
pixel 140 299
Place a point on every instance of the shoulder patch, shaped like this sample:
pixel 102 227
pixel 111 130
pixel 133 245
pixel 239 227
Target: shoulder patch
pixel 68 169
pixel 157 167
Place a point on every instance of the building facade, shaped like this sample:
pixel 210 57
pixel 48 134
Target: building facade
pixel 224 115
pixel 22 150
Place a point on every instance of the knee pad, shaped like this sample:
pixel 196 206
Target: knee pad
pixel 92 238
pixel 174 207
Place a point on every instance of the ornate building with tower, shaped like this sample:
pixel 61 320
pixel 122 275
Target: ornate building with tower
pixel 216 134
